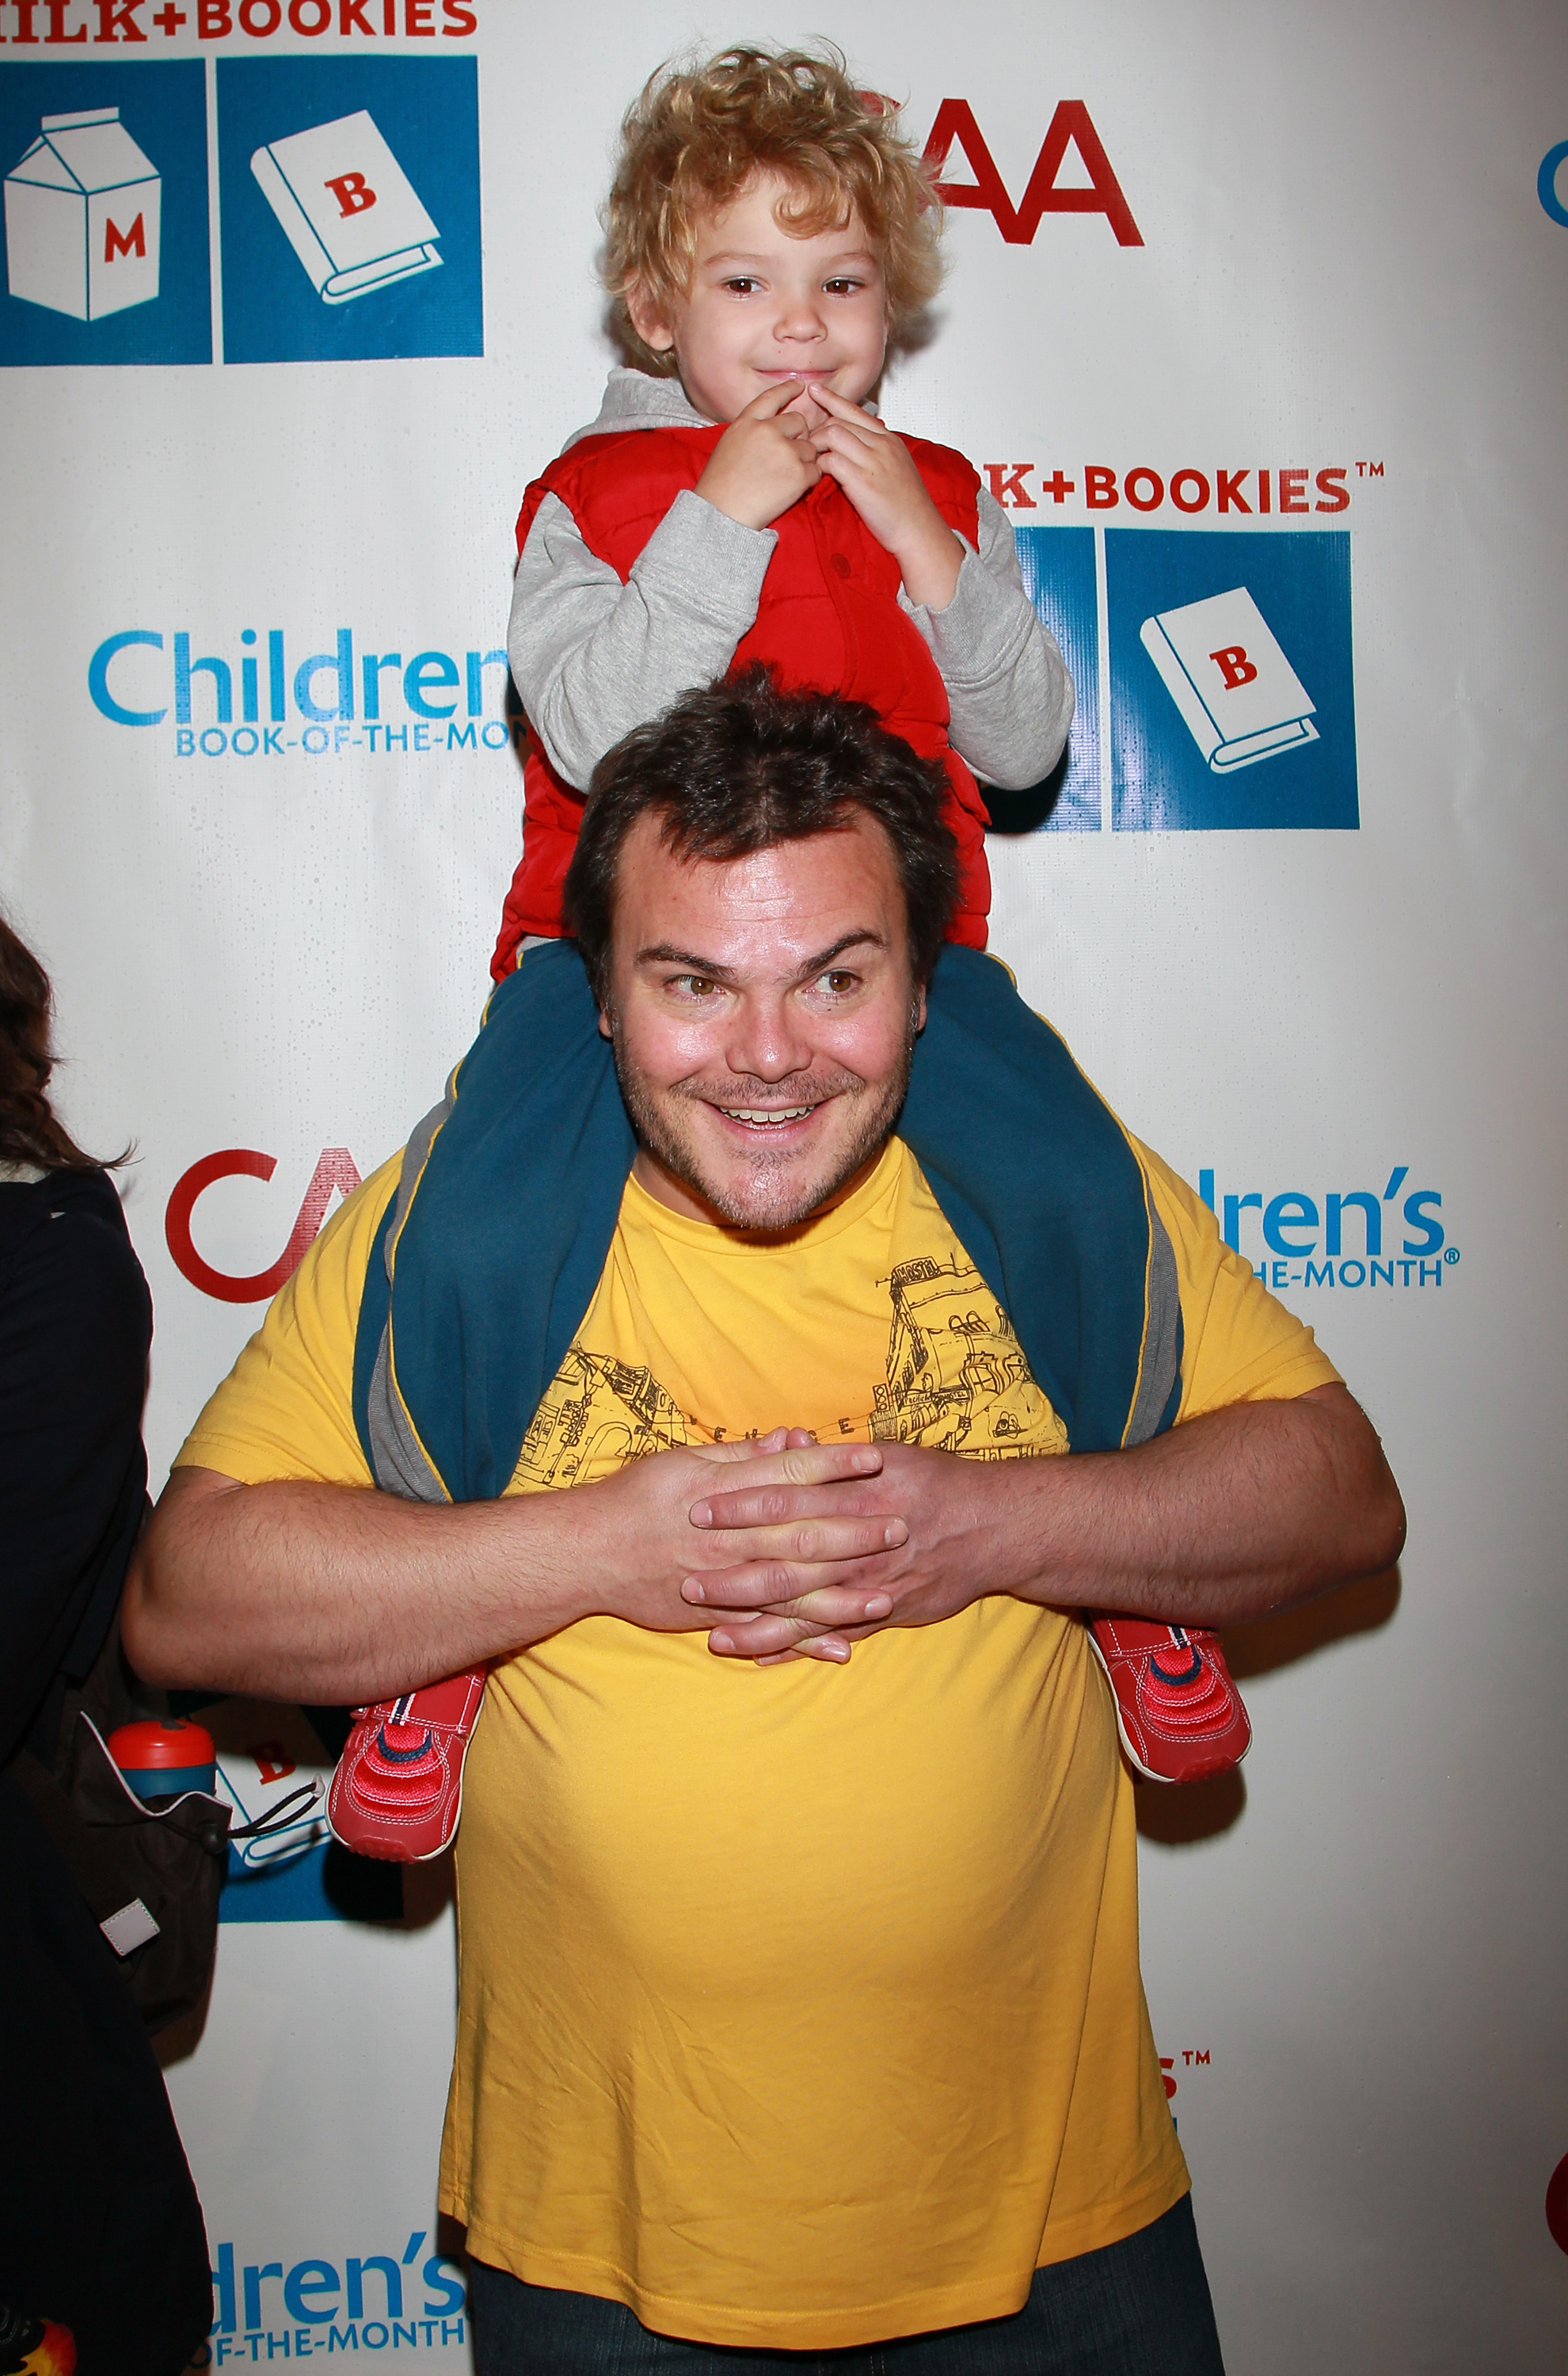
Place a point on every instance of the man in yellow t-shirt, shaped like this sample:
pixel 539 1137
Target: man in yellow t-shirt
pixel 798 2010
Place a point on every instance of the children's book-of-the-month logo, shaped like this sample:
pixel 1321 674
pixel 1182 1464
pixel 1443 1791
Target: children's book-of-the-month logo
pixel 106 214
pixel 351 207
pixel 410 2297
pixel 350 210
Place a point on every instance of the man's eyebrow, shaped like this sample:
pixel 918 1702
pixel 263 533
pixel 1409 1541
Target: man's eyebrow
pixel 665 952
pixel 862 938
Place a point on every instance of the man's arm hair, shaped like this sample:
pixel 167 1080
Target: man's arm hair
pixel 338 1594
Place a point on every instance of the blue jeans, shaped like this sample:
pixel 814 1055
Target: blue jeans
pixel 1139 2308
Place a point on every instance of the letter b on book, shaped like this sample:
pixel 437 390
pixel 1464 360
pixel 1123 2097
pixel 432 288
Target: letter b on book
pixel 348 208
pixel 1222 666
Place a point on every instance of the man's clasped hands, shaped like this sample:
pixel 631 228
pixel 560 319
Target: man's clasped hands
pixel 820 1545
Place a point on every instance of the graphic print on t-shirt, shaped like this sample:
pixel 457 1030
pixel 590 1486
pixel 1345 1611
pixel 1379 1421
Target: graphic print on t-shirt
pixel 957 1381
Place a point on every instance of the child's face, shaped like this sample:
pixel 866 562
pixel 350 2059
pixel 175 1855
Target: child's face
pixel 763 306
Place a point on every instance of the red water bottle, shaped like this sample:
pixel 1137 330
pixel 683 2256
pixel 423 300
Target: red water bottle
pixel 161 1761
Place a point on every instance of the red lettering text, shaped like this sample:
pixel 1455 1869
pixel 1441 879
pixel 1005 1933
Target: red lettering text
pixel 353 193
pixel 271 13
pixel 1154 489
pixel 123 243
pixel 1228 486
pixel 1263 491
pixel 459 20
pixel 1233 665
pixel 1070 126
pixel 273 1763
pixel 1292 498
pixel 323 22
pixel 1007 485
pixel 1332 483
pixel 24 31
pixel 1099 488
pixel 416 17
pixel 117 21
pixel 57 24
pixel 351 18
pixel 1198 499
pixel 213 20
pixel 336 1170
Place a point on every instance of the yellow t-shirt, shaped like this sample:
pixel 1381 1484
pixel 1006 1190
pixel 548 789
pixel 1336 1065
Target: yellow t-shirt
pixel 798 2006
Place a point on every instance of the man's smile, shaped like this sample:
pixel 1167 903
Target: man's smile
pixel 765 1117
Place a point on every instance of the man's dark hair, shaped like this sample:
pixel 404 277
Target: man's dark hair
pixel 740 767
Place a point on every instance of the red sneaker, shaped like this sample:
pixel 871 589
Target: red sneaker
pixel 1179 1713
pixel 398 1788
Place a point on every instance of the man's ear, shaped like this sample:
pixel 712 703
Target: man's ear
pixel 606 1028
pixel 920 1010
pixel 647 318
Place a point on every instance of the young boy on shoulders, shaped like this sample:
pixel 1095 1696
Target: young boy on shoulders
pixel 770 234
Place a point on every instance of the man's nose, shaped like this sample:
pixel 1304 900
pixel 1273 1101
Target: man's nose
pixel 767 1042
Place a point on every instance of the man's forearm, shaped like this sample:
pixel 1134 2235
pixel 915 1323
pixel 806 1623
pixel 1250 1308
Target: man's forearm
pixel 335 1593
pixel 327 1594
pixel 1228 1518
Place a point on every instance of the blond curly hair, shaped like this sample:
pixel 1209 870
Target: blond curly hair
pixel 697 133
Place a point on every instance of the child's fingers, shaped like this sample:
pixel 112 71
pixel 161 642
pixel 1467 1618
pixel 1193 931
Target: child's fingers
pixel 853 415
pixel 771 402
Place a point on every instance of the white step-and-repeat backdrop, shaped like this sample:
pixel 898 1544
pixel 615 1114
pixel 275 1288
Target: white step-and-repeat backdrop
pixel 1256 325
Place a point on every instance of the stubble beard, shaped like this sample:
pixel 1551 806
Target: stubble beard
pixel 768 1196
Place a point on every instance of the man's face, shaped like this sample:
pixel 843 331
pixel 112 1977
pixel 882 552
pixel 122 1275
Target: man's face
pixel 763 306
pixel 763 1011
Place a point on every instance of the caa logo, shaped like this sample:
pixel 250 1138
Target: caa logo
pixel 1348 1238
pixel 1070 128
pixel 380 2301
pixel 336 1172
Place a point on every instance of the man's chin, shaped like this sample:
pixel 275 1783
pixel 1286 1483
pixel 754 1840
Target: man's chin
pixel 764 1191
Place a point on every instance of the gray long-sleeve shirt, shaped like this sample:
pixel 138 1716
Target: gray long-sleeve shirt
pixel 593 657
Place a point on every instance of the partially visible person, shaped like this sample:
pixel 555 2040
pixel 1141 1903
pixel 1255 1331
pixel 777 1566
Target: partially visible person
pixel 101 2231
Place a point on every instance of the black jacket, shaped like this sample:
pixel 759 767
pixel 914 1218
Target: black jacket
pixel 100 2225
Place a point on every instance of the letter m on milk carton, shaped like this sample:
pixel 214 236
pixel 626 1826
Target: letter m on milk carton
pixel 83 214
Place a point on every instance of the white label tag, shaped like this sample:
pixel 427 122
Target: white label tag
pixel 131 1928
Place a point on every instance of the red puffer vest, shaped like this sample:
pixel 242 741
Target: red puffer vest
pixel 829 618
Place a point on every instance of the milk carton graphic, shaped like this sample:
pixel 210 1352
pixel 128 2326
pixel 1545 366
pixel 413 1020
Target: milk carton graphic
pixel 1223 667
pixel 83 215
pixel 351 212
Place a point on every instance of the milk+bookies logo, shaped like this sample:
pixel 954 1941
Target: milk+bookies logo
pixel 270 692
pixel 349 214
pixel 1232 692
